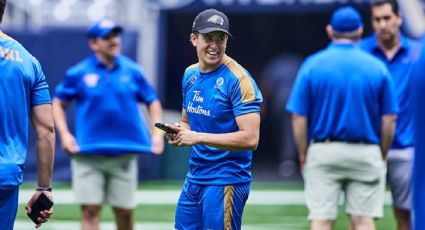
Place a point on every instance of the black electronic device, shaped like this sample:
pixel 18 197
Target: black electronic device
pixel 42 203
pixel 164 128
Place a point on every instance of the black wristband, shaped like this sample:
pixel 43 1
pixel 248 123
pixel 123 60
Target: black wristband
pixel 41 189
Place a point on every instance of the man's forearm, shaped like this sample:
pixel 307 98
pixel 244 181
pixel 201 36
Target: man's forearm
pixel 388 123
pixel 42 120
pixel 155 111
pixel 299 129
pixel 246 138
pixel 45 157
pixel 60 117
pixel 235 141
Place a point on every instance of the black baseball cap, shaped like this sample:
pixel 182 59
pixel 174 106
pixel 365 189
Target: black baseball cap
pixel 211 20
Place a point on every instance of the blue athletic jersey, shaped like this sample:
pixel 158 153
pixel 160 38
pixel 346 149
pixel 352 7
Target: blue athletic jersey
pixel 212 101
pixel 343 91
pixel 400 68
pixel 22 86
pixel 108 120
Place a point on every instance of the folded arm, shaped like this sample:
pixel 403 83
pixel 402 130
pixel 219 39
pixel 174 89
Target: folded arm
pixel 246 138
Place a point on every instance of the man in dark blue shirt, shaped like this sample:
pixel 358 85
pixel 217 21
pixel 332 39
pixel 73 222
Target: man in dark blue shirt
pixel 398 53
pixel 110 131
pixel 344 107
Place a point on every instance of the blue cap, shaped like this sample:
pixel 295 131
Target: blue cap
pixel 346 19
pixel 103 28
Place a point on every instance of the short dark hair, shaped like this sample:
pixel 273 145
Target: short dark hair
pixel 393 4
pixel 2 6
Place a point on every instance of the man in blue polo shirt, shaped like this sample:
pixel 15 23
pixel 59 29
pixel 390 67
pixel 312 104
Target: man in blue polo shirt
pixel 221 121
pixel 24 98
pixel 110 131
pixel 398 53
pixel 343 105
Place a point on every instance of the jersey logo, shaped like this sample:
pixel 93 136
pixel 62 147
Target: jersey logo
pixel 106 23
pixel 91 80
pixel 199 99
pixel 190 82
pixel 216 19
pixel 219 82
pixel 10 54
pixel 124 79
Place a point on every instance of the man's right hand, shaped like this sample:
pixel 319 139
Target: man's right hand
pixel 45 214
pixel 171 137
pixel 69 144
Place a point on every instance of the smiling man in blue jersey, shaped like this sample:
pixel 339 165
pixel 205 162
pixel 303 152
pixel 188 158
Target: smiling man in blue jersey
pixel 221 121
pixel 110 130
pixel 24 98
pixel 398 53
pixel 344 110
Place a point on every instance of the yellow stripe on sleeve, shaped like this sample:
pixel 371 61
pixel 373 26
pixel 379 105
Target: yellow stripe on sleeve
pixel 245 83
pixel 247 89
pixel 3 35
pixel 192 66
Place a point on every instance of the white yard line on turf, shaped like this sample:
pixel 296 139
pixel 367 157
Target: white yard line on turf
pixel 72 225
pixel 266 197
pixel 295 224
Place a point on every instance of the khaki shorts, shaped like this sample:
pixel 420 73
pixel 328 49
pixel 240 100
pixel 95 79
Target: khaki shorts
pixel 400 163
pixel 355 169
pixel 98 179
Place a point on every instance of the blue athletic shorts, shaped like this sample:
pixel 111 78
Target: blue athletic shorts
pixel 211 207
pixel 8 207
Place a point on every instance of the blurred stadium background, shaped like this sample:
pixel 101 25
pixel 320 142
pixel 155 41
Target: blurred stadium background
pixel 271 39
